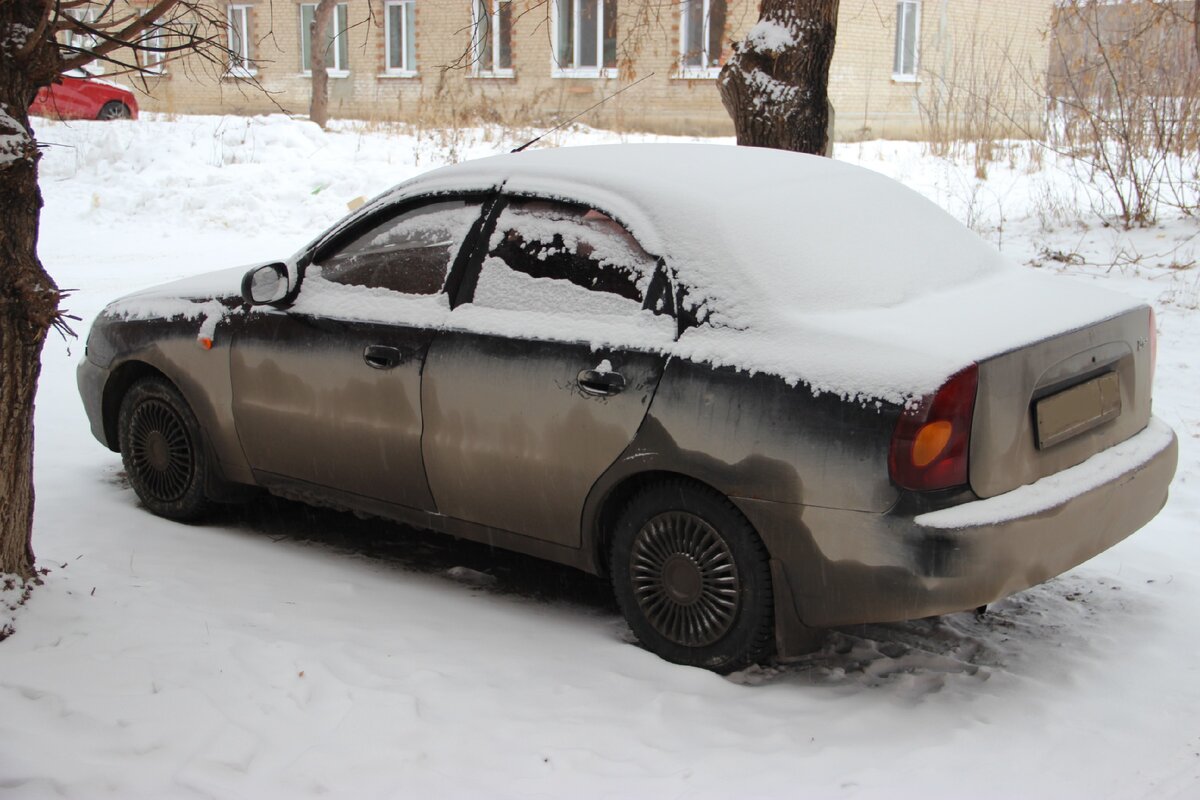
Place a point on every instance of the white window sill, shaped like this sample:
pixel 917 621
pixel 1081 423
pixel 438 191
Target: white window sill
pixel 332 73
pixel 896 78
pixel 399 73
pixel 698 73
pixel 583 72
pixel 241 72
pixel 493 73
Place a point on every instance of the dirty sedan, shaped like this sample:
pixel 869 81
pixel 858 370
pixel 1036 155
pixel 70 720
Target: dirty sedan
pixel 765 393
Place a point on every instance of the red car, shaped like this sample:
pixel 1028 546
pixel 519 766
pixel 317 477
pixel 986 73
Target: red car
pixel 85 98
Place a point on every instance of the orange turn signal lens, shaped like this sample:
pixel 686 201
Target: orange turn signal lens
pixel 205 342
pixel 930 442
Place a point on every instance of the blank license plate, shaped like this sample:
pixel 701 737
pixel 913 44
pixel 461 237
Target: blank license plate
pixel 1078 409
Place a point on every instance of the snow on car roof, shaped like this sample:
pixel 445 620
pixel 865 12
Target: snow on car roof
pixel 744 227
pixel 812 270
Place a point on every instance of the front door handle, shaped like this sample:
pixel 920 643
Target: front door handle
pixel 381 356
pixel 601 383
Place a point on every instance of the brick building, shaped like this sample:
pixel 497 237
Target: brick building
pixel 899 69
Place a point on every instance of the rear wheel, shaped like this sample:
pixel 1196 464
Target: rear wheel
pixel 693 579
pixel 114 109
pixel 162 450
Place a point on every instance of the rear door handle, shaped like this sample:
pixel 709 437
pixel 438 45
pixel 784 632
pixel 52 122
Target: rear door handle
pixel 381 356
pixel 601 383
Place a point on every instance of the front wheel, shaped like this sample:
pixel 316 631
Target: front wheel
pixel 693 579
pixel 162 450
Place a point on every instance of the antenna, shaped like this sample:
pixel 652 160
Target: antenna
pixel 581 113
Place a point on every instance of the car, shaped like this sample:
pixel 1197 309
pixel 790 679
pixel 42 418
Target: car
pixel 765 393
pixel 84 97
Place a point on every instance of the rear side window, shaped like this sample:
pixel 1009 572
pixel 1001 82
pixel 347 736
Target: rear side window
pixel 410 253
pixel 550 256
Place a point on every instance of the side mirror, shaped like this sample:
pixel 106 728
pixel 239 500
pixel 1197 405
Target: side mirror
pixel 266 284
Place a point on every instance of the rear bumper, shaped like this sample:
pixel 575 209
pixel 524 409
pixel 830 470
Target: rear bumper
pixel 847 567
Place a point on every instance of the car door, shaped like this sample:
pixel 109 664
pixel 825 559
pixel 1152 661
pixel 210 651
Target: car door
pixel 545 373
pixel 327 392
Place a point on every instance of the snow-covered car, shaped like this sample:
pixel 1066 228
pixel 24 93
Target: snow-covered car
pixel 766 393
pixel 85 97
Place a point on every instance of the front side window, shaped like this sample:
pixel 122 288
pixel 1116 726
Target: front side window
pixel 241 55
pixel 337 43
pixel 585 38
pixel 552 257
pixel 410 253
pixel 701 32
pixel 400 37
pixel 491 38
pixel 908 34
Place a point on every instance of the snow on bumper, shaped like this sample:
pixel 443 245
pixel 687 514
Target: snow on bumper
pixel 1054 491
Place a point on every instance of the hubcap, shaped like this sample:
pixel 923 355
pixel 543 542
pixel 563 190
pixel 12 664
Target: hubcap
pixel 160 451
pixel 684 578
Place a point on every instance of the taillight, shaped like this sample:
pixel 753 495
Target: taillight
pixel 931 442
pixel 1153 345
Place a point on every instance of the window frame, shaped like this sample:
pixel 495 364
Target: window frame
pixel 494 33
pixel 153 62
pixel 557 70
pixel 389 45
pixel 243 65
pixel 338 69
pixel 903 9
pixel 341 235
pixel 84 42
pixel 710 68
pixel 659 296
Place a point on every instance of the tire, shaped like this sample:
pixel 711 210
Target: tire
pixel 693 579
pixel 162 450
pixel 114 109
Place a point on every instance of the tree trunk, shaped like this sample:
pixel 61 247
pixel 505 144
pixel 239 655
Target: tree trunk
pixel 775 85
pixel 28 297
pixel 318 109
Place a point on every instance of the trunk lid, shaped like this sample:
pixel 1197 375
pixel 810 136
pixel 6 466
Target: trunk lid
pixel 1052 404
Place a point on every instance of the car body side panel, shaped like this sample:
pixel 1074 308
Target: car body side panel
pixel 512 441
pixel 756 436
pixel 202 376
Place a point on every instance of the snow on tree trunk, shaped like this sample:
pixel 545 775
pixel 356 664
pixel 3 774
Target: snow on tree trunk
pixel 775 85
pixel 318 110
pixel 28 297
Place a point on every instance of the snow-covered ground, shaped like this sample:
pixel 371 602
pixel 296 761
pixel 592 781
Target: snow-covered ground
pixel 282 652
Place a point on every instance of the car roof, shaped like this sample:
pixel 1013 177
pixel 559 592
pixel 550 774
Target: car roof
pixel 750 230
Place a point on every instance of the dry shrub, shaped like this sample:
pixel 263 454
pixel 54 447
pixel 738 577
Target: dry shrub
pixel 1125 102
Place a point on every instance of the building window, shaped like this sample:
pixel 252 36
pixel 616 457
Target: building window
pixel 491 38
pixel 78 42
pixel 152 52
pixel 337 43
pixel 400 38
pixel 241 63
pixel 585 38
pixel 908 34
pixel 701 31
